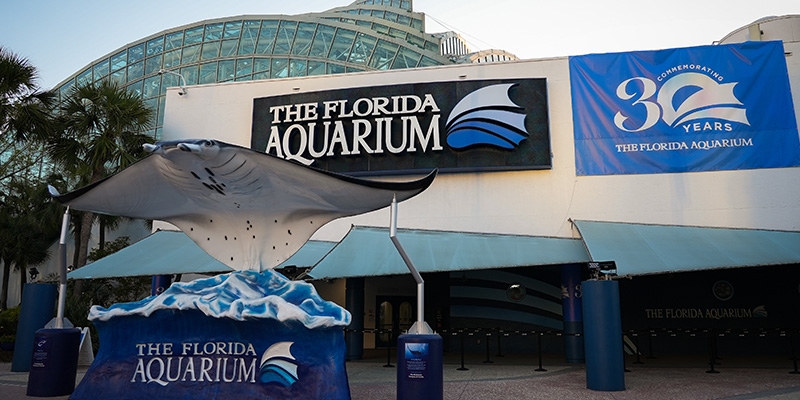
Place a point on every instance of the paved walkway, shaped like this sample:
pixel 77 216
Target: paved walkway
pixel 515 377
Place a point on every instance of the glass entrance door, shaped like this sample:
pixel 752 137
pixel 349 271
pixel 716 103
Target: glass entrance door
pixel 396 314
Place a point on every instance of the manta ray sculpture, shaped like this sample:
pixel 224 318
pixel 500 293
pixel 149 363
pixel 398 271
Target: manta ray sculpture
pixel 249 210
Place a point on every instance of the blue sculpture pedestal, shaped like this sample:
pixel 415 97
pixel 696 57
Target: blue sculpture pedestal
pixel 187 355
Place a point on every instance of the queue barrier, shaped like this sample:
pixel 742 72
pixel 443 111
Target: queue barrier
pixel 712 334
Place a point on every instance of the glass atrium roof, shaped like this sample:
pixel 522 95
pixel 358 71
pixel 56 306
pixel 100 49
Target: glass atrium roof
pixel 366 35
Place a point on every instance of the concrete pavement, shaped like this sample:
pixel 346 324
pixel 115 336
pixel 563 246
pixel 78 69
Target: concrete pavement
pixel 515 377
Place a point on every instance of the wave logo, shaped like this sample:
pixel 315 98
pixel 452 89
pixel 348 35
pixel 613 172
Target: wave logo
pixel 486 117
pixel 683 98
pixel 279 365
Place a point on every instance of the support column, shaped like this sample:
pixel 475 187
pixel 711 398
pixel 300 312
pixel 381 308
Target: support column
pixel 605 367
pixel 354 302
pixel 571 303
pixel 160 284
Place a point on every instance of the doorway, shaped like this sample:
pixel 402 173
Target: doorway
pixel 396 314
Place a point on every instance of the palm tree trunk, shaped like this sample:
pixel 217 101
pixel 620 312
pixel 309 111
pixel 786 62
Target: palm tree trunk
pixel 4 296
pixel 23 279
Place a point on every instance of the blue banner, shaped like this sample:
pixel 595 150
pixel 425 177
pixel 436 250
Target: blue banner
pixel 708 108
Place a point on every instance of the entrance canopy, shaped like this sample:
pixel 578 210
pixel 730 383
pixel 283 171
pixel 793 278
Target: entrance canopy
pixel 367 251
pixel 640 249
pixel 172 252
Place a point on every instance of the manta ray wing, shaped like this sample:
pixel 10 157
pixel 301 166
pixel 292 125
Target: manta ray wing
pixel 249 210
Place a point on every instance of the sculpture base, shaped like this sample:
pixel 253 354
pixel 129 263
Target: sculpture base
pixel 188 355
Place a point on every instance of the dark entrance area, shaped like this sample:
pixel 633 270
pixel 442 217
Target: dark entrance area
pixel 396 314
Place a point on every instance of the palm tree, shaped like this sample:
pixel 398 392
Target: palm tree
pixel 28 226
pixel 25 121
pixel 25 115
pixel 102 134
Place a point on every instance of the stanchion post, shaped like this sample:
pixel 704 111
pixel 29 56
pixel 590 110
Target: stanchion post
pixel 488 359
pixel 638 360
pixel 711 356
pixel 499 346
pixel 389 350
pixel 650 355
pixel 463 368
pixel 539 351
pixel 794 353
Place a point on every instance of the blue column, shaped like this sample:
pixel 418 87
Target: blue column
pixel 354 302
pixel 571 295
pixel 37 309
pixel 602 325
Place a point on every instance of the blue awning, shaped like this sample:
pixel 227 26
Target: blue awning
pixel 640 249
pixel 368 251
pixel 172 252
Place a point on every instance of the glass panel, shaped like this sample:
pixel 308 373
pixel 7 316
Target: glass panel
pixel 362 49
pixel 193 36
pixel 390 16
pixel 297 68
pixel 172 58
pixel 226 71
pixel 119 60
pixel 416 24
pixel 397 33
pixel 232 29
pixel 316 68
pixel 135 88
pixel 174 40
pixel 366 24
pixel 100 69
pixel 152 65
pixel 342 44
pixel 406 58
pixel 335 69
pixel 404 20
pixel 261 75
pixel 190 74
pixel 244 78
pixel 229 48
pixel 302 41
pixel 169 80
pixel 155 46
pixel 351 69
pixel 380 28
pixel 208 73
pixel 135 71
pixel 428 62
pixel 161 104
pixel 213 32
pixel 377 13
pixel 405 5
pixel 416 41
pixel 136 53
pixel 119 77
pixel 190 54
pixel 385 321
pixel 210 50
pixel 280 68
pixel 244 66
pixel 362 11
pixel 249 37
pixel 405 314
pixel 261 64
pixel 266 37
pixel 432 46
pixel 152 86
pixel 322 41
pixel 84 77
pixel 383 55
pixel 152 103
pixel 283 42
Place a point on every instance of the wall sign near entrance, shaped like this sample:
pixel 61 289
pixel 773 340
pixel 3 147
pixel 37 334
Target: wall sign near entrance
pixel 454 126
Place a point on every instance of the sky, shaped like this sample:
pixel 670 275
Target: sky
pixel 60 37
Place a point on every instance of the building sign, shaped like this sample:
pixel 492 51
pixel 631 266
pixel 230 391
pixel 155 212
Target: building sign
pixel 454 126
pixel 707 108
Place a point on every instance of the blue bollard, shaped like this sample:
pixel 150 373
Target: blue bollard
pixel 54 363
pixel 38 306
pixel 602 325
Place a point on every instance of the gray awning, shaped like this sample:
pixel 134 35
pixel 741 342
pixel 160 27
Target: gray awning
pixel 367 251
pixel 640 249
pixel 172 252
